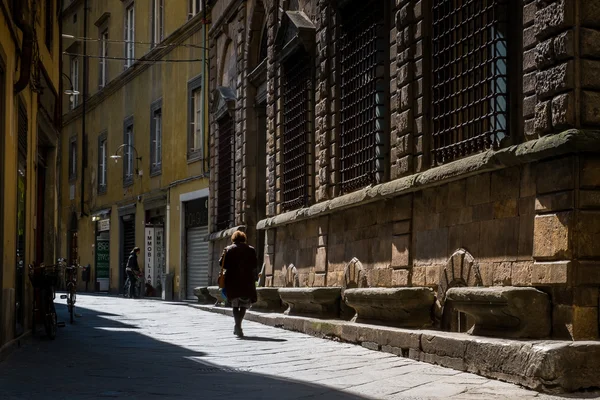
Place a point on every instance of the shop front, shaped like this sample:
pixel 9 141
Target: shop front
pixel 102 253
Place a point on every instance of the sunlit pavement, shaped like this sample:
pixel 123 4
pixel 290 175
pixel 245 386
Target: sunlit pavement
pixel 147 349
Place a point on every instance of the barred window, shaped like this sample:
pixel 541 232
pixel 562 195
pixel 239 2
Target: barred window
pixel 225 184
pixel 363 94
pixel 297 73
pixel 470 96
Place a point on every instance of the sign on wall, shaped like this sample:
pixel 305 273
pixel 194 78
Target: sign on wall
pixel 102 263
pixel 149 246
pixel 104 225
pixel 159 251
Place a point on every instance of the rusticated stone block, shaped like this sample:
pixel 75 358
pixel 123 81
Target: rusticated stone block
pixel 590 42
pixel 268 299
pixel 554 80
pixel 564 45
pixel 555 175
pixel 590 74
pixel 590 172
pixel 554 18
pixel 504 311
pixel 529 83
pixel 587 239
pixel 321 302
pixel 554 202
pixel 552 273
pixel 563 111
pixel 551 236
pixel 543 118
pixel 589 13
pixel 401 307
pixel 400 251
pixel 591 107
pixel 544 54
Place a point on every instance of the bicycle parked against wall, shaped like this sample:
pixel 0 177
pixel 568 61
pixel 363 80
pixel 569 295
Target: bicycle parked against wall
pixel 137 288
pixel 71 288
pixel 44 279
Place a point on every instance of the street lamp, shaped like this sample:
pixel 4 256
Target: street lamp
pixel 117 157
pixel 70 92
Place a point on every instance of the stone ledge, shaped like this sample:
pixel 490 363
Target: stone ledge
pixel 215 292
pixel 401 307
pixel 204 296
pixel 224 234
pixel 568 142
pixel 268 299
pixel 548 366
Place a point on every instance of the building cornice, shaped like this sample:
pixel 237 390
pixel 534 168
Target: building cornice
pixel 569 142
pixel 73 6
pixel 166 46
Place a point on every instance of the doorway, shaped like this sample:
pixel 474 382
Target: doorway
pixel 127 244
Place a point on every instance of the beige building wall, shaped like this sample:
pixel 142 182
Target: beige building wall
pixel 130 93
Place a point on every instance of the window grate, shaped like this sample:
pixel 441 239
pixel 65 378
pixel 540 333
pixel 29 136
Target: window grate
pixel 225 185
pixel 296 117
pixel 362 94
pixel 470 100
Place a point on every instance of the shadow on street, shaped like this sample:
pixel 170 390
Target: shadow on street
pixel 101 358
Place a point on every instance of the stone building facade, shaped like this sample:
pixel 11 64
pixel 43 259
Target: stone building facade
pixel 428 143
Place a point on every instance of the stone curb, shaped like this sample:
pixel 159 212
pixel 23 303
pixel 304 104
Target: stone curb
pixel 545 365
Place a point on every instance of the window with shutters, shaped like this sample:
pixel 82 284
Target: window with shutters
pixel 74 81
pixel 363 49
pixel 158 23
pixel 470 74
pixel 156 138
pixel 128 152
pixel 297 114
pixel 103 61
pixel 73 158
pixel 195 129
pixel 102 163
pixel 129 36
pixel 226 173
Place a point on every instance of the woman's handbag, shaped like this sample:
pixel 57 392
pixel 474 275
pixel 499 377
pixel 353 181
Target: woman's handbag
pixel 221 279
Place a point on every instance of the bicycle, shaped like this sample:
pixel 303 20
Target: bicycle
pixel 136 289
pixel 71 288
pixel 44 279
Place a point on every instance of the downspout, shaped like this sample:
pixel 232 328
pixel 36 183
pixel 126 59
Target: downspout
pixel 57 191
pixel 26 51
pixel 83 107
pixel 205 160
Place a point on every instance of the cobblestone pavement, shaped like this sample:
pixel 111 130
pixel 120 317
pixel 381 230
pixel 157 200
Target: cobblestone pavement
pixel 146 349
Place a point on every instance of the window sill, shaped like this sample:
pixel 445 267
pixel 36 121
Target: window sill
pixel 127 183
pixel 194 157
pixel 102 191
pixel 156 172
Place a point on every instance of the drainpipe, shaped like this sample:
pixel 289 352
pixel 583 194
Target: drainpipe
pixel 204 85
pixel 83 107
pixel 27 48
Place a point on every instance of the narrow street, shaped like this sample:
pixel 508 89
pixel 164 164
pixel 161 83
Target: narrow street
pixel 145 349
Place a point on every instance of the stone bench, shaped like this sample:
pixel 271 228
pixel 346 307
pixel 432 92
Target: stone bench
pixel 322 302
pixel 399 307
pixel 268 299
pixel 204 296
pixel 215 292
pixel 509 312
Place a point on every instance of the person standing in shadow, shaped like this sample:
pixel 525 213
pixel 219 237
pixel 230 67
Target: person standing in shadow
pixel 240 278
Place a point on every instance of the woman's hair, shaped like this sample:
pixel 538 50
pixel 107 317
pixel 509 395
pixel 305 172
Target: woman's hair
pixel 238 236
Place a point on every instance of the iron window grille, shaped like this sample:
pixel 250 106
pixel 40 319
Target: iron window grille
pixel 363 94
pixel 297 114
pixel 470 77
pixel 225 183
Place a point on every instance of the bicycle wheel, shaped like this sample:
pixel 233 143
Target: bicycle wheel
pixel 71 302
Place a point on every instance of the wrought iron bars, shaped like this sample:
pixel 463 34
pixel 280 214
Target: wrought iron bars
pixel 226 181
pixel 363 92
pixel 298 88
pixel 470 65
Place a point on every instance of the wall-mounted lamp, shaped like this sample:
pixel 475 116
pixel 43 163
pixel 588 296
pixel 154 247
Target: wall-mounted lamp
pixel 117 157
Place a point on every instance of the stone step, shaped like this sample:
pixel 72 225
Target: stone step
pixel 509 312
pixel 400 307
pixel 323 302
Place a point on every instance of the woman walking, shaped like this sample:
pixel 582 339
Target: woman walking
pixel 240 277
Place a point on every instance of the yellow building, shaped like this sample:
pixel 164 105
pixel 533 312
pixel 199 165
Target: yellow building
pixel 29 131
pixel 139 123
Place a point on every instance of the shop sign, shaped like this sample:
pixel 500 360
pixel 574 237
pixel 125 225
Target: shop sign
pixel 150 254
pixel 104 225
pixel 159 259
pixel 102 258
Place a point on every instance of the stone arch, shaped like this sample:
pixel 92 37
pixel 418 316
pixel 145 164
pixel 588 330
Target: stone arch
pixel 354 275
pixel 290 276
pixel 461 270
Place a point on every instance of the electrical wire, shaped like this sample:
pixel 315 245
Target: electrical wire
pixel 157 46
pixel 151 60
